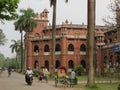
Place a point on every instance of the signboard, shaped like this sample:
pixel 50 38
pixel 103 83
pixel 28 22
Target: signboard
pixel 116 48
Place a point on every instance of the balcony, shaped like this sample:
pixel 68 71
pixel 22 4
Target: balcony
pixel 82 37
pixel 108 45
pixel 36 38
pixel 47 37
pixel 76 36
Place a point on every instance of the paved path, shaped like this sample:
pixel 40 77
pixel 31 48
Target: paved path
pixel 17 82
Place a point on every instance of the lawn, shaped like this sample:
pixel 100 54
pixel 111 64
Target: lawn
pixel 85 77
pixel 107 86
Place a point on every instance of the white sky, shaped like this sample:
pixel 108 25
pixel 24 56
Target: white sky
pixel 75 11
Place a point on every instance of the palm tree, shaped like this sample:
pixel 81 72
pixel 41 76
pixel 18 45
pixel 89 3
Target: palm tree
pixel 25 23
pixel 29 23
pixel 91 34
pixel 54 4
pixel 15 48
pixel 19 26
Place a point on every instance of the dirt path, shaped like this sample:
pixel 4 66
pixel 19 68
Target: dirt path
pixel 17 82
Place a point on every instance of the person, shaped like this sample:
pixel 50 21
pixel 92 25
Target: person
pixel 9 72
pixel 28 72
pixel 73 78
pixel 73 75
pixel 45 71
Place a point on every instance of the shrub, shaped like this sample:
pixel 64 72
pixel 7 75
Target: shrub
pixel 79 69
pixel 35 71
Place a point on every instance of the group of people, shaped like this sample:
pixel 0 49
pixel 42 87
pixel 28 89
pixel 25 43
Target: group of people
pixel 44 72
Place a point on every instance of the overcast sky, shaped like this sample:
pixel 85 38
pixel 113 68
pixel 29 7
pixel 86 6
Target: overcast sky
pixel 74 11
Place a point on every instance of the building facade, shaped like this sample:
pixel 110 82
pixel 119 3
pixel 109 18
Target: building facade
pixel 71 44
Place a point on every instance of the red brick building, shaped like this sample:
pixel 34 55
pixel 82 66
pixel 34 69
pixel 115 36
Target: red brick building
pixel 71 44
pixel 111 49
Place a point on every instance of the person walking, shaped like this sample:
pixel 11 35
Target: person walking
pixel 73 75
pixel 9 72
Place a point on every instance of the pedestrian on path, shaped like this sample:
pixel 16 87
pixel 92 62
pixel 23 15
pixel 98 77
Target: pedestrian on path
pixel 9 72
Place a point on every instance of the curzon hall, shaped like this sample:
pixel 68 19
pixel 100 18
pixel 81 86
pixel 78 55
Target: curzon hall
pixel 71 44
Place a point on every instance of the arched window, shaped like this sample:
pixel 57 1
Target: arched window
pixel 70 64
pixel 83 63
pixel 37 34
pixel 82 47
pixel 47 64
pixel 70 47
pixel 36 48
pixel 36 64
pixel 58 48
pixel 105 60
pixel 111 60
pixel 46 48
pixel 57 64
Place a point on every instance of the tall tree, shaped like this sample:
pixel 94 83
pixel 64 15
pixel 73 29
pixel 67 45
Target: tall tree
pixel 15 48
pixel 91 34
pixel 25 23
pixel 114 20
pixel 8 9
pixel 54 4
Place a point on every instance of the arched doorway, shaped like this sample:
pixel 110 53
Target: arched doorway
pixel 57 64
pixel 47 64
pixel 83 63
pixel 36 64
pixel 70 64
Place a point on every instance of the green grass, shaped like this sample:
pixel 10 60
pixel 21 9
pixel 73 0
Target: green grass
pixel 107 86
pixel 85 77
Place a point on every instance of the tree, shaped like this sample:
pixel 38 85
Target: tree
pixel 54 4
pixel 91 34
pixel 8 9
pixel 25 23
pixel 114 20
pixel 15 48
pixel 114 7
pixel 2 59
pixel 2 38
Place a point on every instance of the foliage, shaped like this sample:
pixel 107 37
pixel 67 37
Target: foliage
pixel 79 69
pixel 2 59
pixel 114 7
pixel 36 72
pixel 10 62
pixel 8 9
pixel 2 38
pixel 15 46
pixel 26 21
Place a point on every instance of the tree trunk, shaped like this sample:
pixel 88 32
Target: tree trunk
pixel 53 35
pixel 22 52
pixel 91 34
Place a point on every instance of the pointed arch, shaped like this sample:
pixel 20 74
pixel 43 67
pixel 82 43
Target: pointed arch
pixel 70 47
pixel 83 47
pixel 47 64
pixel 70 64
pixel 36 48
pixel 58 47
pixel 46 48
pixel 57 64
